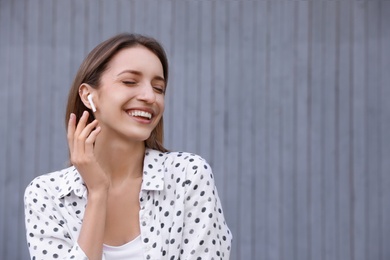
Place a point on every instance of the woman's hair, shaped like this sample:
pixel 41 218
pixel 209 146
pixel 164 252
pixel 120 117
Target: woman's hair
pixel 93 66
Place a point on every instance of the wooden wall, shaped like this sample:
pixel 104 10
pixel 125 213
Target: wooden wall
pixel 288 100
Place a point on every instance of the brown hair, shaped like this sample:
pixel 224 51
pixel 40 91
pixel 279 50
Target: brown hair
pixel 93 66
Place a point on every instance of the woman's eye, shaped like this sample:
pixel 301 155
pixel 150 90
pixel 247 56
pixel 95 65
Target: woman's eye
pixel 159 90
pixel 128 82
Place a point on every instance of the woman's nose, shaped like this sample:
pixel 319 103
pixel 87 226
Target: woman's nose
pixel 147 94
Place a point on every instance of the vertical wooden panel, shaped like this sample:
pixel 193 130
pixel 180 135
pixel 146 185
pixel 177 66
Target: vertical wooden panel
pixel 343 133
pixel 30 89
pixel 14 141
pixel 176 89
pixel 165 35
pixel 204 116
pixel 259 98
pixel 315 133
pixel 152 10
pixel 302 66
pixel 329 86
pixel 93 25
pixel 108 17
pixel 5 32
pixel 372 138
pixel 78 41
pixel 165 26
pixel 139 15
pixel 193 75
pixel 384 79
pixel 28 75
pixel 63 78
pixel 286 96
pixel 246 205
pixel 43 91
pixel 359 133
pixel 124 16
pixel 218 93
pixel 168 38
pixel 273 130
pixel 231 138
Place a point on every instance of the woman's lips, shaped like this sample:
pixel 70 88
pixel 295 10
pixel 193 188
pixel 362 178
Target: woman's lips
pixel 140 113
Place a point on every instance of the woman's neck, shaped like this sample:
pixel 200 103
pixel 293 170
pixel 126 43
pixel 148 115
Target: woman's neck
pixel 121 160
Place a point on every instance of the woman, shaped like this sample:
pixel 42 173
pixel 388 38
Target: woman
pixel 125 196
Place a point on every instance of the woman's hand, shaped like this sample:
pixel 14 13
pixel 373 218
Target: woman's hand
pixel 81 139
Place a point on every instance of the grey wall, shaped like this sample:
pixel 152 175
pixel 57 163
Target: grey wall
pixel 287 100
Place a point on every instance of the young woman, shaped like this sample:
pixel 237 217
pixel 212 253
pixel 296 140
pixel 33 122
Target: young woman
pixel 125 196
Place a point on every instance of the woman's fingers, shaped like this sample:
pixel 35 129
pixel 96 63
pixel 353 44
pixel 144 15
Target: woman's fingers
pixel 86 132
pixel 82 122
pixel 81 136
pixel 91 140
pixel 71 130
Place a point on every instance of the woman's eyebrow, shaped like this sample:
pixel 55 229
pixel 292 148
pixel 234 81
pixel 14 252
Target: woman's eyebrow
pixel 159 78
pixel 136 72
pixel 139 73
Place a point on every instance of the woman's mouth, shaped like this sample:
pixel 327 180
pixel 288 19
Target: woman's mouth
pixel 140 113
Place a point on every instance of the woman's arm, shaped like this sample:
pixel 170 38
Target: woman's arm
pixel 81 139
pixel 47 230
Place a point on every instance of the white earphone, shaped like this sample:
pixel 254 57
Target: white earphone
pixel 91 102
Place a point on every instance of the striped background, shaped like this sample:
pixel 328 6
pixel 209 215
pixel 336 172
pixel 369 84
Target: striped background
pixel 289 101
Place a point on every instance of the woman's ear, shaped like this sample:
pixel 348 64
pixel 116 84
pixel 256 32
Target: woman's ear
pixel 85 93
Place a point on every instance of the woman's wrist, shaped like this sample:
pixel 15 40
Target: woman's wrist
pixel 98 194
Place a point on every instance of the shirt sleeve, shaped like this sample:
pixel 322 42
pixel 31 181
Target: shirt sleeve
pixel 47 235
pixel 205 233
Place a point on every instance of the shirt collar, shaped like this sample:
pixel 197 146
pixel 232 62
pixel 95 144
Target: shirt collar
pixel 71 181
pixel 153 172
pixel 153 176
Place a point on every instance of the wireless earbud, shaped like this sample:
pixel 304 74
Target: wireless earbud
pixel 91 102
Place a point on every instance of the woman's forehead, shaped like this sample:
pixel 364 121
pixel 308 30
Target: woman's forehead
pixel 135 57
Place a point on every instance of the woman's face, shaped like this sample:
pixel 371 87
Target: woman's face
pixel 130 98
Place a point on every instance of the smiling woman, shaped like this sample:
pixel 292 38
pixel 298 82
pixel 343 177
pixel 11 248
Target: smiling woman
pixel 102 58
pixel 124 196
pixel 130 90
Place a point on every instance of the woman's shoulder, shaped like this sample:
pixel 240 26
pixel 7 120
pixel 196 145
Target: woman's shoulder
pixel 176 158
pixel 51 181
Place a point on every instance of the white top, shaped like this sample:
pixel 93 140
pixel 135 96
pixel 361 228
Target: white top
pixel 180 212
pixel 131 250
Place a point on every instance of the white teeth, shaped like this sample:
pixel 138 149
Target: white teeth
pixel 141 113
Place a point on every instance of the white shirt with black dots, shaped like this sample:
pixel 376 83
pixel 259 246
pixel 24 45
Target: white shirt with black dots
pixel 180 212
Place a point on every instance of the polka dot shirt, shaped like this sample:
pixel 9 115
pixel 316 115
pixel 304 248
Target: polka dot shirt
pixel 180 212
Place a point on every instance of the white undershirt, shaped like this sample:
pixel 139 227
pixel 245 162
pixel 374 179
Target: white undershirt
pixel 131 250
